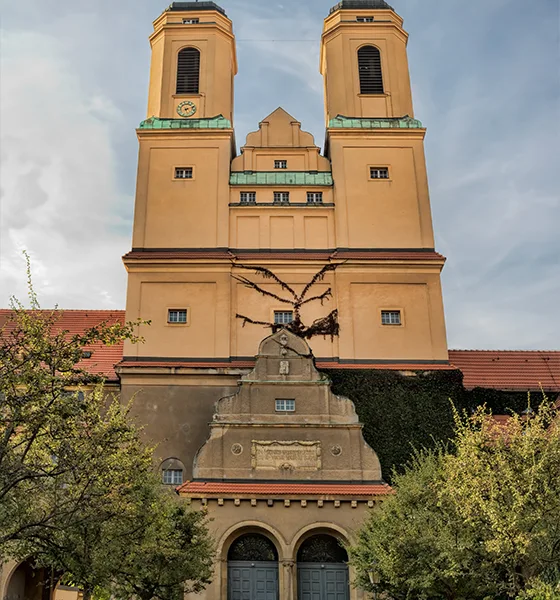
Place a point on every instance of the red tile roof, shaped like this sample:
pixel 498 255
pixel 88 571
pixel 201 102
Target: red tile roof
pixel 516 370
pixel 202 488
pixel 104 358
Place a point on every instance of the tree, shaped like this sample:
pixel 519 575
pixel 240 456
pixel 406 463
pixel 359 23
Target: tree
pixel 477 521
pixel 327 325
pixel 78 491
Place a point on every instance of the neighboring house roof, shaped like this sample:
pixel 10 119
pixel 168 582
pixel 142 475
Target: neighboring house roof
pixel 103 358
pixel 516 370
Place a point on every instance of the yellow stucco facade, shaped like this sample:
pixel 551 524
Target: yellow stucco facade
pixel 190 233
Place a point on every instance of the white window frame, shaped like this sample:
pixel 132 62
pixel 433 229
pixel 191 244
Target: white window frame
pixel 365 19
pixel 184 173
pixel 375 172
pixel 281 164
pixel 194 21
pixel 314 197
pixel 285 405
pixel 178 311
pixel 281 320
pixel 170 477
pixel 281 197
pixel 250 197
pixel 390 314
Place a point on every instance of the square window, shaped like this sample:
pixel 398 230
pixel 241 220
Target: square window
pixel 177 315
pixel 248 197
pixel 281 197
pixel 285 405
pixel 283 317
pixel 280 164
pixel 391 317
pixel 183 172
pixel 172 476
pixel 378 173
pixel 314 197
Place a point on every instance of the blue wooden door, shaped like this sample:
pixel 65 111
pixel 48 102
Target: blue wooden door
pixel 256 580
pixel 327 581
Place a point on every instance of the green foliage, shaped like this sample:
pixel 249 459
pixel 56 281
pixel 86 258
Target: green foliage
pixel 78 491
pixel 401 413
pixel 476 522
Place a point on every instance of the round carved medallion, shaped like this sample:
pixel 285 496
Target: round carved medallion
pixel 336 450
pixel 236 449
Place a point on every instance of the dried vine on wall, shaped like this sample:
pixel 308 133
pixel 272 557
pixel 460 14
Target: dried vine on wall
pixel 324 326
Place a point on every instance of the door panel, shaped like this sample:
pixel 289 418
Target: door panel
pixel 252 580
pixel 323 581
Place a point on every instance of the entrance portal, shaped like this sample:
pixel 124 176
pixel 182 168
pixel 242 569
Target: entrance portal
pixel 322 569
pixel 253 569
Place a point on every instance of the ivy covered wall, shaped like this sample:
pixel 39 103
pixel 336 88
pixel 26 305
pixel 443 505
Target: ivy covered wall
pixel 401 413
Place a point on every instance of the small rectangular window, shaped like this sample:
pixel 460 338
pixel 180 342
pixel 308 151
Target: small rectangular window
pixel 248 197
pixel 285 405
pixel 390 317
pixel 379 173
pixel 177 316
pixel 281 197
pixel 183 172
pixel 365 19
pixel 172 476
pixel 314 197
pixel 191 21
pixel 280 164
pixel 283 317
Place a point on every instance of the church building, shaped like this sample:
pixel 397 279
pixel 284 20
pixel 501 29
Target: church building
pixel 233 253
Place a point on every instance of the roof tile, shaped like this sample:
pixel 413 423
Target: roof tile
pixel 282 489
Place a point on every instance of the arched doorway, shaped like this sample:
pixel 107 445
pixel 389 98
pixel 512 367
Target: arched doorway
pixel 322 569
pixel 253 568
pixel 27 583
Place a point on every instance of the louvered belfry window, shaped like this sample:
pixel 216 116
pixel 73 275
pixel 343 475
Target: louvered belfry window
pixel 369 65
pixel 188 71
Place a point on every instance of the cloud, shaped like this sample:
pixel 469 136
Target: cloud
pixel 58 179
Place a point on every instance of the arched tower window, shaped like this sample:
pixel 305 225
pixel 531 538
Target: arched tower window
pixel 188 71
pixel 369 67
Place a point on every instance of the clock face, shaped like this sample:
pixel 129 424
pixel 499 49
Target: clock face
pixel 186 109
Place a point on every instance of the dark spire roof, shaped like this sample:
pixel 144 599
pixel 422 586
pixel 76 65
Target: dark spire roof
pixel 359 4
pixel 196 6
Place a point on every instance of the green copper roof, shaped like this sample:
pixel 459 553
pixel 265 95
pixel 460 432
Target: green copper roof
pixel 378 123
pixel 281 178
pixel 219 122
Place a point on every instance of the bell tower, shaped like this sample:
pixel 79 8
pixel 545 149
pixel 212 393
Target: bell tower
pixel 364 61
pixel 193 62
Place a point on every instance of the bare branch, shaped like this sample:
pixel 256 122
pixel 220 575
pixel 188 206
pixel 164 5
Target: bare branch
pixel 250 284
pixel 267 274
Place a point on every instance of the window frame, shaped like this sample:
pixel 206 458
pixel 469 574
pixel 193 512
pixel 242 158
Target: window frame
pixel 194 21
pixel 376 64
pixel 379 168
pixel 184 91
pixel 384 311
pixel 184 168
pixel 173 471
pixel 186 310
pixel 314 194
pixel 248 202
pixel 283 402
pixel 365 19
pixel 283 200
pixel 281 161
pixel 282 311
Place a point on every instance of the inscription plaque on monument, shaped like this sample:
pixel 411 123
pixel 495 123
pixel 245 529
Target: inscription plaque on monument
pixel 286 455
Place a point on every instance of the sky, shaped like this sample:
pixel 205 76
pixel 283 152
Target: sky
pixel 486 84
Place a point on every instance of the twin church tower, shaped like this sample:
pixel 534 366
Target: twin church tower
pixel 202 210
